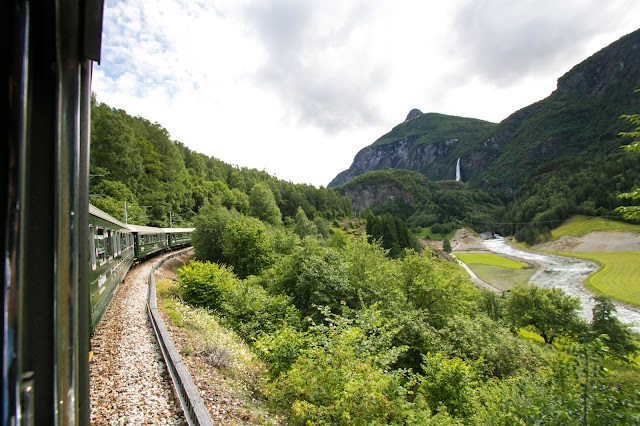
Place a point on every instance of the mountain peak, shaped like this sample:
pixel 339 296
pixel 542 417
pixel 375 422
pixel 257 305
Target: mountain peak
pixel 414 113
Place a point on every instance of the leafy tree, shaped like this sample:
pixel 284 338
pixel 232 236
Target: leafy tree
pixel 204 284
pixel 208 236
pixel 246 246
pixel 632 212
pixel 303 227
pixel 446 245
pixel 604 321
pixel 262 204
pixel 343 376
pixel 312 275
pixel 550 311
pixel 449 382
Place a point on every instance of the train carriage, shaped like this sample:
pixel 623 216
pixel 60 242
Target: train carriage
pixel 178 237
pixel 111 251
pixel 148 241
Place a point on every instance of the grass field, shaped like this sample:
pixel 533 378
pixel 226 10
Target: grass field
pixel 490 259
pixel 498 271
pixel 582 225
pixel 501 278
pixel 619 276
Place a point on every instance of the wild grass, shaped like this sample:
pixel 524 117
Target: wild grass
pixel 582 225
pixel 208 336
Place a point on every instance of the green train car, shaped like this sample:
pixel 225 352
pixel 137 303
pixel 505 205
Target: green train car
pixel 179 237
pixel 148 241
pixel 111 250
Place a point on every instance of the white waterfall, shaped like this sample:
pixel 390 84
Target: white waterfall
pixel 458 177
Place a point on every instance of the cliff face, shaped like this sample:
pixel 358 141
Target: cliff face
pixel 369 195
pixel 581 116
pixel 426 143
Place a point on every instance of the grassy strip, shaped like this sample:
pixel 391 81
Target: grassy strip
pixel 619 276
pixel 582 225
pixel 224 355
pixel 490 260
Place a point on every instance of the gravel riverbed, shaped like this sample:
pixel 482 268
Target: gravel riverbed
pixel 129 383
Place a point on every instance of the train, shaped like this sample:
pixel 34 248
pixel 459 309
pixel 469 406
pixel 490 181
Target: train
pixel 114 247
pixel 61 262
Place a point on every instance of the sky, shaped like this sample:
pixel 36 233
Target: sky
pixel 298 87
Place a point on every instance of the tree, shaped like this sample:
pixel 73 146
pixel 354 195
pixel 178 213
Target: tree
pixel 550 311
pixel 208 236
pixel 304 227
pixel 604 321
pixel 246 246
pixel 446 245
pixel 631 212
pixel 262 204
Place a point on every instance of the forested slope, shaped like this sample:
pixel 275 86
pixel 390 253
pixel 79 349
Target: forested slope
pixel 136 161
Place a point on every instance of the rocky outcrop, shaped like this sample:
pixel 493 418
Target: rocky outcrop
pixel 369 195
pixel 414 113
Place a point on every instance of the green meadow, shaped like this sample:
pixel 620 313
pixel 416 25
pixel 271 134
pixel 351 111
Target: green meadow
pixel 490 259
pixel 619 275
pixel 498 271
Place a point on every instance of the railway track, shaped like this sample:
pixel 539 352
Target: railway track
pixel 132 354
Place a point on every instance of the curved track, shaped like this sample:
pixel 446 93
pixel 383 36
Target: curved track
pixel 128 376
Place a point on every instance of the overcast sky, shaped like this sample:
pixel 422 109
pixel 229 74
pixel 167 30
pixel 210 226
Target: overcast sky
pixel 298 87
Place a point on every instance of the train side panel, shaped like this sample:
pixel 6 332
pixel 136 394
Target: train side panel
pixel 149 241
pixel 111 248
pixel 179 237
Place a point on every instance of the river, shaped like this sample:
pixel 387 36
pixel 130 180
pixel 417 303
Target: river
pixel 566 273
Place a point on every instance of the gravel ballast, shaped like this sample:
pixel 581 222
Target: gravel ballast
pixel 129 383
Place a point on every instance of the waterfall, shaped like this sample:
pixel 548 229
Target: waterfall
pixel 458 177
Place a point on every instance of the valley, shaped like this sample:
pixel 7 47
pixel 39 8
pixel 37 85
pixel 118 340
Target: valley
pixel 600 261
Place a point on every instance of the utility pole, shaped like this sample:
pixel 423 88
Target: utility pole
pixel 170 220
pixel 125 211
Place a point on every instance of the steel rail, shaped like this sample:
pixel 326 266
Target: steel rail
pixel 192 404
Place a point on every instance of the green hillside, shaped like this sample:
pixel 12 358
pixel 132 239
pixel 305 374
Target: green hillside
pixel 443 206
pixel 432 128
pixel 551 160
pixel 582 225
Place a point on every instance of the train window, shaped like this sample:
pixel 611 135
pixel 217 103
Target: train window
pixel 100 246
pixel 123 242
pixel 117 243
pixel 92 248
pixel 110 245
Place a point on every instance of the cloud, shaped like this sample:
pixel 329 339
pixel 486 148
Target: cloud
pixel 318 60
pixel 505 41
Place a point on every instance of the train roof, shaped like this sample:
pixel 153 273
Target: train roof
pixel 140 229
pixel 173 230
pixel 93 210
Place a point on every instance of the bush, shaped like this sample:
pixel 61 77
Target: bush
pixel 206 284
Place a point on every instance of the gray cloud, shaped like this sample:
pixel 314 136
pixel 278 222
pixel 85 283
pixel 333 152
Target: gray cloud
pixel 505 40
pixel 313 63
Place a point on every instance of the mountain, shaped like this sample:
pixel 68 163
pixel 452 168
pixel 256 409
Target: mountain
pixel 579 119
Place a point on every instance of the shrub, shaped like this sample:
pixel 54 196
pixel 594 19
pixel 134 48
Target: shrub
pixel 205 284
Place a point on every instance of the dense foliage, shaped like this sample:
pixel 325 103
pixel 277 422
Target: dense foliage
pixel 353 336
pixel 135 161
pixel 632 212
pixel 442 206
pixel 392 233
